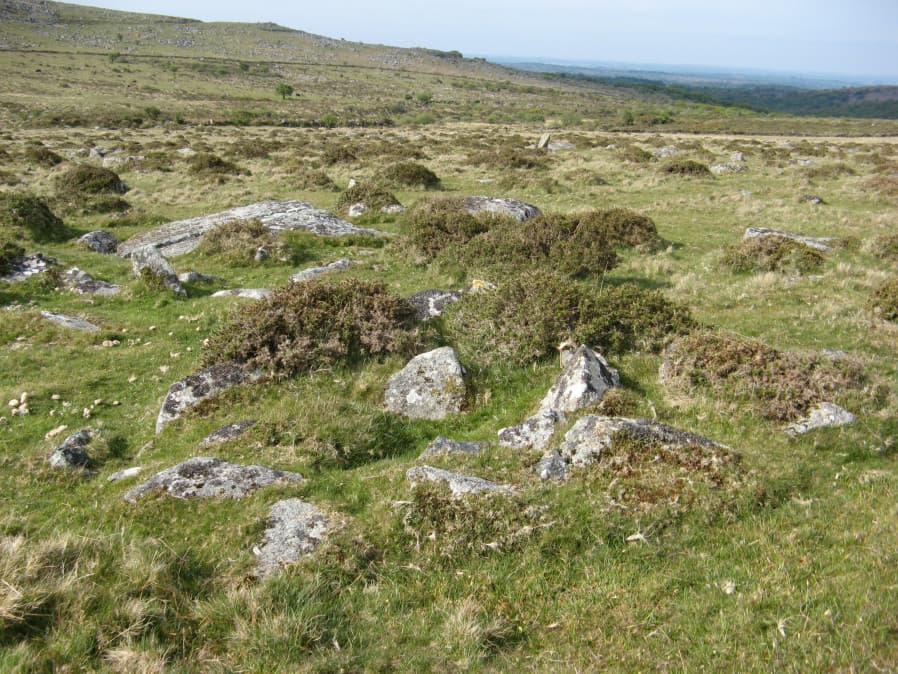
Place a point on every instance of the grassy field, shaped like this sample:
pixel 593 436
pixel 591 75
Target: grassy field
pixel 787 564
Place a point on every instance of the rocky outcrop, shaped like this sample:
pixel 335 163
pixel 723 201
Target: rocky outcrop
pixel 819 243
pixel 149 260
pixel 459 485
pixel 83 283
pixel 204 384
pixel 666 151
pixel 71 453
pixel 553 466
pixel 443 445
pixel 183 236
pixel 502 206
pixel 312 272
pixel 431 386
pixel 206 477
pixel 431 303
pixel 227 432
pixel 100 241
pixel 295 529
pixel 69 321
pixel 22 268
pixel 824 415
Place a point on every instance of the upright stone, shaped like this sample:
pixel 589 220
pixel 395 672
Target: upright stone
pixel 149 260
pixel 431 386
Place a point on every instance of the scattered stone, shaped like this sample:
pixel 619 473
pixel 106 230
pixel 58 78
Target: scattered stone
pixel 824 415
pixel 544 141
pixel 124 474
pixel 69 321
pixel 71 453
pixel 552 466
pixel 811 199
pixel 206 477
pixel 592 435
pixel 183 236
pixel 357 210
pixel 199 386
pixel 100 241
pixel 393 209
pixel 807 163
pixel 248 293
pixel 152 260
pixel 585 378
pixel 503 206
pixel 83 283
pixel 261 254
pixel 430 386
pixel 227 432
pixel 737 156
pixel 295 528
pixel 431 303
pixel 97 152
pixel 818 243
pixel 458 484
pixel 195 277
pixel 49 435
pixel 534 432
pixel 185 152
pixel 23 268
pixel 727 167
pixel 444 445
pixel 312 272
pixel 560 145
pixel 666 151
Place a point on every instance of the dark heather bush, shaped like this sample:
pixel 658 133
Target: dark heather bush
pixel 687 167
pixel 315 324
pixel 207 164
pixel 884 301
pixel 885 247
pixel 236 242
pixel 408 174
pixel 27 212
pixel 86 179
pixel 509 158
pixel 434 224
pixel 311 179
pixel 42 156
pixel 338 154
pixel 771 253
pixel 9 251
pixel 372 196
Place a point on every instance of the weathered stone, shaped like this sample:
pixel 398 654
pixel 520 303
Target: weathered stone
pixel 458 484
pixel 69 321
pixel 295 528
pixel 666 151
pixel 592 435
pixel 150 259
pixel 544 141
pixel 100 241
pixel 261 254
pixel 98 152
pixel 432 303
pixel 393 209
pixel 503 206
pixel 206 477
pixel 71 452
pixel 818 243
pixel 553 466
pixel 227 432
pixel 534 432
pixel 84 284
pixel 357 210
pixel 727 167
pixel 124 474
pixel 811 199
pixel 183 236
pixel 248 293
pixel 22 268
pixel 199 386
pixel 185 151
pixel 824 415
pixel 195 277
pixel 585 378
pixel 737 156
pixel 312 272
pixel 443 445
pixel 431 386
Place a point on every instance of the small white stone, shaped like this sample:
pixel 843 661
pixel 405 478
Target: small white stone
pixel 55 396
pixel 14 402
pixel 86 413
pixel 56 431
pixel 98 401
pixel 24 397
pixel 2 421
pixel 132 379
pixel 164 368
pixel 66 403
pixel 115 403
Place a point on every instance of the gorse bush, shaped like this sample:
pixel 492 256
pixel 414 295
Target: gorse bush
pixel 686 167
pixel 315 324
pixel 238 242
pixel 885 247
pixel 312 179
pixel 373 196
pixel 434 224
pixel 771 253
pixel 408 174
pixel 884 300
pixel 42 156
pixel 25 215
pixel 509 158
pixel 210 165
pixel 85 179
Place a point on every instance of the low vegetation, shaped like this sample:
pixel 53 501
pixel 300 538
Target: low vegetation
pixel 884 300
pixel 408 174
pixel 25 217
pixel 243 242
pixel 772 253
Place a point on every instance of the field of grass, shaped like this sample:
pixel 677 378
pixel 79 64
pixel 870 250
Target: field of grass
pixel 788 563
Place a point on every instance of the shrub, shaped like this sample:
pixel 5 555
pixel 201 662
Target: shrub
pixel 635 154
pixel 42 156
pixel 372 196
pixel 509 158
pixel 9 251
pixel 337 154
pixel 315 324
pixel 884 301
pixel 686 167
pixel 408 174
pixel 310 179
pixel 208 164
pixel 434 224
pixel 885 247
pixel 771 253
pixel 238 241
pixel 252 148
pixel 27 212
pixel 84 179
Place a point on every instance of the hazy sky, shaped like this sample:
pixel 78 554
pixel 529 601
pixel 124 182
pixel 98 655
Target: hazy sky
pixel 855 37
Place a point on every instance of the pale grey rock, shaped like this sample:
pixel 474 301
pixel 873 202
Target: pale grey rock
pixel 69 321
pixel 585 378
pixel 430 386
pixel 206 383
pixel 227 432
pixel 811 199
pixel 152 260
pixel 109 162
pixel 71 453
pixel 186 152
pixel 195 277
pixel 393 209
pixel 553 466
pixel 666 151
pixel 23 268
pixel 727 167
pixel 261 254
pixel 100 241
pixel 312 272
pixel 84 284
pixel 295 529
pixel 534 432
pixel 503 206
pixel 591 436
pixel 97 152
pixel 357 210
pixel 737 156
pixel 248 293
pixel 559 146
pixel 206 477
pixel 183 236
pixel 823 415
pixel 443 445
pixel 807 163
pixel 125 474
pixel 544 141
pixel 432 303
pixel 458 484
pixel 818 243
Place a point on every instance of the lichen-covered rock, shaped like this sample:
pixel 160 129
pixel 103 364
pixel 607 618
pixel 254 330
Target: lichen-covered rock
pixel 81 282
pixel 149 259
pixel 227 432
pixel 534 432
pixel 199 386
pixel 443 445
pixel 183 236
pixel 312 272
pixel 248 293
pixel 819 243
pixel 431 386
pixel 824 415
pixel 69 321
pixel 502 206
pixel 101 241
pixel 553 466
pixel 22 268
pixel 432 303
pixel 458 484
pixel 295 528
pixel 666 151
pixel 71 453
pixel 585 378
pixel 206 477
pixel 727 167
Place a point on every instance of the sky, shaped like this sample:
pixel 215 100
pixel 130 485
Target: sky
pixel 844 37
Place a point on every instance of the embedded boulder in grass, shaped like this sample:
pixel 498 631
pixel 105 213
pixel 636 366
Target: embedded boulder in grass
pixel 71 453
pixel 100 241
pixel 206 477
pixel 518 210
pixel 183 236
pixel 443 445
pixel 534 432
pixel 227 432
pixel 72 322
pixel 81 282
pixel 585 378
pixel 458 484
pixel 818 243
pixel 823 415
pixel 431 386
pixel 312 272
pixel 295 529
pixel 431 303
pixel 203 384
pixel 149 261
